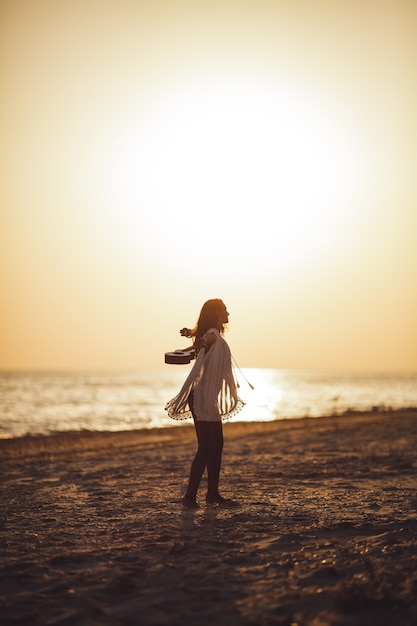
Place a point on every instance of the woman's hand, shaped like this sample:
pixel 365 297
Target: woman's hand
pixel 200 343
pixel 205 342
pixel 185 332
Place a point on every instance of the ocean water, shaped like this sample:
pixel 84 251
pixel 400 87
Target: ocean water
pixel 48 402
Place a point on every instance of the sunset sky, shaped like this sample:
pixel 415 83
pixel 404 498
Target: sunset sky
pixel 158 154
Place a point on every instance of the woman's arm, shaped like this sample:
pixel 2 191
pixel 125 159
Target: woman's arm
pixel 207 340
pixel 203 342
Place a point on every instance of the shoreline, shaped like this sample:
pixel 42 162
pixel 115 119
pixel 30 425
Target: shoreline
pixel 326 532
pixel 30 442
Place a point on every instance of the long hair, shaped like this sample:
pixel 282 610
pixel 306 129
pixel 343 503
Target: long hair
pixel 211 316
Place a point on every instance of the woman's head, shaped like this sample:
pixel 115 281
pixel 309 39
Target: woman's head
pixel 212 315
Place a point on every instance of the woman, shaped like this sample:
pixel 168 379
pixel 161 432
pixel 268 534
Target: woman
pixel 208 395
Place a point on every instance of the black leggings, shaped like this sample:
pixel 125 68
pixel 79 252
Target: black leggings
pixel 209 454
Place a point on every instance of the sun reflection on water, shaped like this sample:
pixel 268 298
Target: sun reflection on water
pixel 264 400
pixel 113 401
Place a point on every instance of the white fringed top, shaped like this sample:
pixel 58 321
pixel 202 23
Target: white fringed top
pixel 211 379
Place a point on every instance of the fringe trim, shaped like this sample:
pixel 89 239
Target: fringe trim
pixel 188 415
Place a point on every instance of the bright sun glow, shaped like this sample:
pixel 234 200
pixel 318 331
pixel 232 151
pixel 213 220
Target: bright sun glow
pixel 259 172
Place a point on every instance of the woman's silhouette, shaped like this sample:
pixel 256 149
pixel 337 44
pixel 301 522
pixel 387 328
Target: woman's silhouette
pixel 209 395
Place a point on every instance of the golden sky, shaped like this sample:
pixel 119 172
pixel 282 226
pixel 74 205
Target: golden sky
pixel 158 154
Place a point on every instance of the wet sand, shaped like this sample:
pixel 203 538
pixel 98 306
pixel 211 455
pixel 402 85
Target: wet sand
pixel 92 530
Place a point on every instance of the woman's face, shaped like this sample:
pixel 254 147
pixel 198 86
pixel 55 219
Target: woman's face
pixel 224 315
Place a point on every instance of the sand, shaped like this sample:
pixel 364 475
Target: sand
pixel 92 530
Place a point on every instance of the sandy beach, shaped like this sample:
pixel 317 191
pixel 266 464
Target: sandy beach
pixel 92 530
